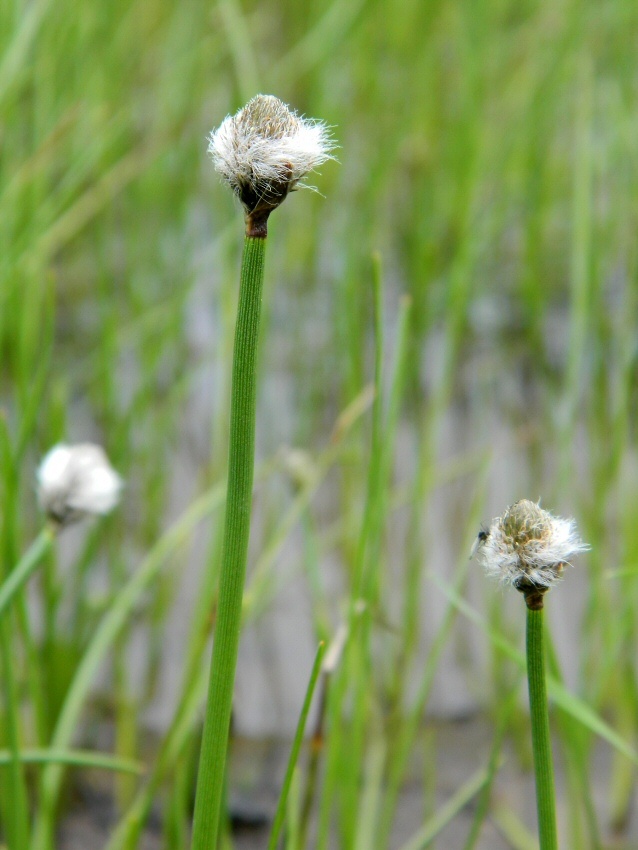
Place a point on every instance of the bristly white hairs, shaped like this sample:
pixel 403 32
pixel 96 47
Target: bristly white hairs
pixel 266 149
pixel 528 546
pixel 77 480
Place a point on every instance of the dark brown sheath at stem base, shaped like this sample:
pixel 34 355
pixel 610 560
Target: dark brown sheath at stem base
pixel 534 595
pixel 257 224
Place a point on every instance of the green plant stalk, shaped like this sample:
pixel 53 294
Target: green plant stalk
pixel 212 761
pixel 17 815
pixel 25 567
pixel 15 806
pixel 280 814
pixel 541 742
pixel 11 593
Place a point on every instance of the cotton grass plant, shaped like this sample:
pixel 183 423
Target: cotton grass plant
pixel 73 482
pixel 263 152
pixel 528 549
pixel 498 180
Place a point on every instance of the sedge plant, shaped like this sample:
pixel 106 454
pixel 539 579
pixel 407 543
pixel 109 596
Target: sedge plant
pixel 263 153
pixel 73 482
pixel 528 549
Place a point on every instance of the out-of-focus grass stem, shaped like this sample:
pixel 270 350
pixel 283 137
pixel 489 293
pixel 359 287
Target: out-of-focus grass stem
pixel 25 567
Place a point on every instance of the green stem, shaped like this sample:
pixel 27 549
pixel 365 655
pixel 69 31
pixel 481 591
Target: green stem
pixel 541 743
pixel 212 762
pixel 17 814
pixel 280 814
pixel 17 826
pixel 25 567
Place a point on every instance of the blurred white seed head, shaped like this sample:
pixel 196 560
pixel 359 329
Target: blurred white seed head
pixel 265 150
pixel 74 481
pixel 527 547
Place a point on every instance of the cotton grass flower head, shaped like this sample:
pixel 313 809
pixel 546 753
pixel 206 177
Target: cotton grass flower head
pixel 74 481
pixel 264 151
pixel 528 548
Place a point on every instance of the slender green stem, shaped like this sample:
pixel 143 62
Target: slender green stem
pixel 212 762
pixel 541 743
pixel 280 814
pixel 17 815
pixel 18 820
pixel 25 567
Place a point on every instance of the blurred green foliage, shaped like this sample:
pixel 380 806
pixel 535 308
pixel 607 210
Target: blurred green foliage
pixel 488 152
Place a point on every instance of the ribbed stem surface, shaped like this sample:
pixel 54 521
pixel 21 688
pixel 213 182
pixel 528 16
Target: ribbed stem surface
pixel 541 742
pixel 210 780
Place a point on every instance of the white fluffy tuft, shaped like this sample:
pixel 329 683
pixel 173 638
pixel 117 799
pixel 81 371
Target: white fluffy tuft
pixel 527 545
pixel 266 149
pixel 74 481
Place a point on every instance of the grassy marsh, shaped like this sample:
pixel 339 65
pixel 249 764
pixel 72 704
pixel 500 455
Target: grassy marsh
pixel 452 327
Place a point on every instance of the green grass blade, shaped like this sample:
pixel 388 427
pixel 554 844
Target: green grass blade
pixel 428 832
pixel 280 814
pixel 25 567
pixel 76 758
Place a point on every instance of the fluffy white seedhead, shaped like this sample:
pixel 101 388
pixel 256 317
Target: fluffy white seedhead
pixel 527 547
pixel 266 149
pixel 74 481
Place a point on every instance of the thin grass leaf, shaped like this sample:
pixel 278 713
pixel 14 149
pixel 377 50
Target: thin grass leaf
pixel 23 570
pixel 76 758
pixel 429 831
pixel 519 837
pixel 280 813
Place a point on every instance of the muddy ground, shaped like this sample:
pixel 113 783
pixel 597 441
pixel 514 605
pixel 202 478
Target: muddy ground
pixel 446 757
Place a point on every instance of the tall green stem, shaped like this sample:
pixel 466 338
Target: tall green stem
pixel 212 762
pixel 541 743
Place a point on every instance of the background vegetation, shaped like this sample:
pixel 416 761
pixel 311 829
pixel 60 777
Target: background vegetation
pixel 487 172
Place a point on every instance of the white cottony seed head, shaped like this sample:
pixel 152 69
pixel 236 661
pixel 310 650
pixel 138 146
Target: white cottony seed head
pixel 74 481
pixel 266 149
pixel 528 547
